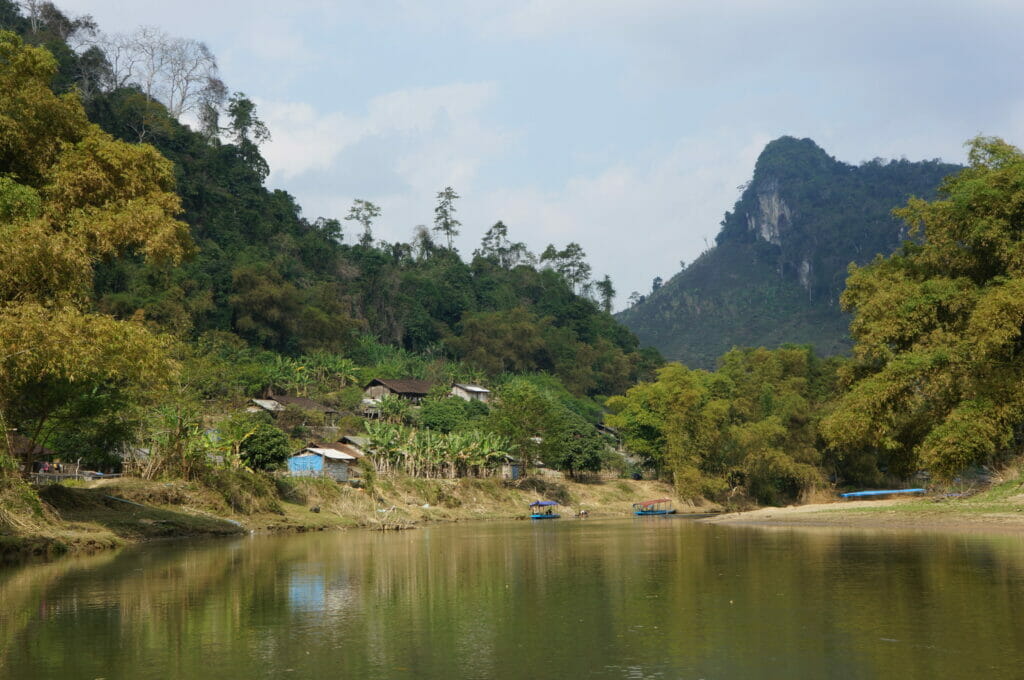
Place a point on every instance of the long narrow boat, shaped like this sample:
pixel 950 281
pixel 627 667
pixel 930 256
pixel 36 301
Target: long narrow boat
pixel 879 492
pixel 543 510
pixel 658 506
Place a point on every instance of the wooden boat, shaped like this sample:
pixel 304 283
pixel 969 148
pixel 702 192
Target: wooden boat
pixel 658 506
pixel 543 510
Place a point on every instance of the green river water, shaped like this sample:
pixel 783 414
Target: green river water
pixel 563 599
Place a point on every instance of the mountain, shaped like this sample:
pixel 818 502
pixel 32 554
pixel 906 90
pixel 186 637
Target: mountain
pixel 780 260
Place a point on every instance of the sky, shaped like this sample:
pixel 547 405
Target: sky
pixel 626 126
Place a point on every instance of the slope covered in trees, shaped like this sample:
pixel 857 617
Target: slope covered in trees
pixel 280 281
pixel 780 260
pixel 151 281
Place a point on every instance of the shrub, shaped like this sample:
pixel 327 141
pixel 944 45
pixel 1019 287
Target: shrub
pixel 265 448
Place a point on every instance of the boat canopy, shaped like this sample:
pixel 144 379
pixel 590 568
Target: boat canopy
pixel 542 503
pixel 647 504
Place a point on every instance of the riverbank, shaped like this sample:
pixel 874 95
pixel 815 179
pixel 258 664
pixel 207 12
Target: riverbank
pixel 88 517
pixel 996 509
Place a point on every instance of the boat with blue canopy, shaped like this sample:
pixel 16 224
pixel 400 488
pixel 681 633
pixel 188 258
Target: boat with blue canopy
pixel 543 510
pixel 879 492
pixel 658 506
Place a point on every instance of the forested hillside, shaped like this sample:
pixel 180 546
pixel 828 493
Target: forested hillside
pixel 155 283
pixel 780 260
pixel 263 271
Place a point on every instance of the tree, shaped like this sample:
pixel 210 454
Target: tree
pixel 330 228
pixel 364 213
pixel 444 215
pixel 939 351
pixel 571 263
pixel 180 73
pixel 606 293
pixel 510 340
pixel 656 284
pixel 579 446
pixel 753 423
pixel 245 126
pixel 444 414
pixel 265 447
pixel 248 132
pixel 71 196
pixel 496 247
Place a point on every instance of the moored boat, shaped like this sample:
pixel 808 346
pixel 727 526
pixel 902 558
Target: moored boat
pixel 543 510
pixel 880 492
pixel 658 506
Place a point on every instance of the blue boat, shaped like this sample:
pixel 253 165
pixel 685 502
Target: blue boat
pixel 658 506
pixel 879 492
pixel 543 510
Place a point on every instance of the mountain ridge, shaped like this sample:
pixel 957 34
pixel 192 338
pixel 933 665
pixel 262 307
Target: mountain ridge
pixel 780 260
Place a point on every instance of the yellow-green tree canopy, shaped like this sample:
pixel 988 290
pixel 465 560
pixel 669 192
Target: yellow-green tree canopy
pixel 938 365
pixel 752 423
pixel 70 196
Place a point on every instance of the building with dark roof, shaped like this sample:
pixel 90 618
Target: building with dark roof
pixel 406 388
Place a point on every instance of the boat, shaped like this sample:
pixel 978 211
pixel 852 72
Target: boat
pixel 543 510
pixel 658 506
pixel 879 492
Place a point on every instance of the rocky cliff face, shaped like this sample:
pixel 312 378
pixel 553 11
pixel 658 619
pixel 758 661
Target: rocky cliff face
pixel 772 216
pixel 781 258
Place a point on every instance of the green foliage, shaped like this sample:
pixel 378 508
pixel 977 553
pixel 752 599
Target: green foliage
pixel 752 423
pixel 265 447
pixel 937 366
pixel 446 414
pixel 781 257
pixel 71 197
pixel 542 427
pixel 431 453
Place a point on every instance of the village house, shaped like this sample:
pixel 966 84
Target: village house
pixel 406 388
pixel 471 392
pixel 336 461
pixel 275 404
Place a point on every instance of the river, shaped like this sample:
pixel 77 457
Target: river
pixel 562 599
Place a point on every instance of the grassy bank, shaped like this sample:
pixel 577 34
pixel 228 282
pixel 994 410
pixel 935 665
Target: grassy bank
pixel 995 507
pixel 82 517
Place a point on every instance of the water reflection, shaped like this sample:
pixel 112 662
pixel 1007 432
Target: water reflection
pixel 626 599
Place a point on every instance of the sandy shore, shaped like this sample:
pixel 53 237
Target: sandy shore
pixel 893 514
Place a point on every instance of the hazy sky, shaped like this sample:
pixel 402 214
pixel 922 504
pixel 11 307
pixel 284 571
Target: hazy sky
pixel 624 125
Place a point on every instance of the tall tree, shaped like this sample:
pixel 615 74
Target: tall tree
pixel 364 213
pixel 571 263
pixel 606 293
pixel 180 73
pixel 496 246
pixel 444 216
pixel 248 132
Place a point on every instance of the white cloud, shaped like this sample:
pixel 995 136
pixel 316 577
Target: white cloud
pixel 635 221
pixel 430 132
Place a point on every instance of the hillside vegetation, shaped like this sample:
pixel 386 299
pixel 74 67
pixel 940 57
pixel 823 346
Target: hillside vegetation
pixel 780 260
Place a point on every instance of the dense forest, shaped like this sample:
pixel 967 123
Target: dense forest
pixel 151 284
pixel 780 261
